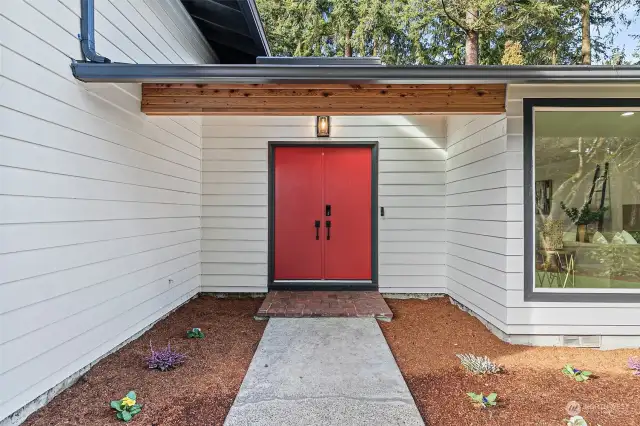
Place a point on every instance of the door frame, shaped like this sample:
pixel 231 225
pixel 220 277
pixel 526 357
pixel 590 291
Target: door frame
pixel 324 284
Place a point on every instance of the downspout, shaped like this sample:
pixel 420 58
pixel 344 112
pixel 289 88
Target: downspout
pixel 87 33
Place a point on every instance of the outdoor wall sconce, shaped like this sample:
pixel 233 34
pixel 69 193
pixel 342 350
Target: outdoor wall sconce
pixel 323 126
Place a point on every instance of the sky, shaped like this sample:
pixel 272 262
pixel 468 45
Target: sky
pixel 624 38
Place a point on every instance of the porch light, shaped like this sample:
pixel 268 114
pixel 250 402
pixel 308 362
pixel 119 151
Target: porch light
pixel 323 126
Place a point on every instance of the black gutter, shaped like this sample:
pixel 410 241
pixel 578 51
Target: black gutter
pixel 254 74
pixel 87 33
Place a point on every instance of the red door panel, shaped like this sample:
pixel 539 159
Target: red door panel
pixel 298 204
pixel 347 189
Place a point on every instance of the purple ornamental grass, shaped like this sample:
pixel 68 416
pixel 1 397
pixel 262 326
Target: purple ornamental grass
pixel 634 364
pixel 164 359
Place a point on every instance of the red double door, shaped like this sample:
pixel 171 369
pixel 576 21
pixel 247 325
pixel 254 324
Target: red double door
pixel 322 213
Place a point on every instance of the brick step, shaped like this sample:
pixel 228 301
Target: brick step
pixel 300 304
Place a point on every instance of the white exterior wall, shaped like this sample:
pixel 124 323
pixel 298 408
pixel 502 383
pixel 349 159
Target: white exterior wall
pixel 613 320
pixel 452 189
pixel 99 204
pixel 484 215
pixel 485 229
pixel 411 189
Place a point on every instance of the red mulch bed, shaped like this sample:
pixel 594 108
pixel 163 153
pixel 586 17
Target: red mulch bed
pixel 425 335
pixel 200 392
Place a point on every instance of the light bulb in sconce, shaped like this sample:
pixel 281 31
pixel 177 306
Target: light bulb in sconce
pixel 323 126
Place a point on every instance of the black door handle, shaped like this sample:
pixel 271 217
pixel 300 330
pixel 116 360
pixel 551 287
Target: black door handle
pixel 328 224
pixel 317 229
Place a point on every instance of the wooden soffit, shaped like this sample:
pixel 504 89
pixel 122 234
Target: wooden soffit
pixel 322 99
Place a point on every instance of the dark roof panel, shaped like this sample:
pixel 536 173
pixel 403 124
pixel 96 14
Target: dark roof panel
pixel 315 60
pixel 232 28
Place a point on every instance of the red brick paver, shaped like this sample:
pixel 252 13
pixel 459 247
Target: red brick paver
pixel 293 304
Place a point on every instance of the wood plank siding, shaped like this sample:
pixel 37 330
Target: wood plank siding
pixel 331 99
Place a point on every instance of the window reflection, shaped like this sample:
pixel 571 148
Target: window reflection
pixel 587 199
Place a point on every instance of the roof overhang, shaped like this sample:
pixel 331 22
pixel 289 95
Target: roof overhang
pixel 355 74
pixel 232 28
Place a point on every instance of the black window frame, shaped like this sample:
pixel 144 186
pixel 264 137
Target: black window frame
pixel 528 105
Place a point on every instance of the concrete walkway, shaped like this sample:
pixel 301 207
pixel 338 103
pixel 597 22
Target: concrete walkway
pixel 323 371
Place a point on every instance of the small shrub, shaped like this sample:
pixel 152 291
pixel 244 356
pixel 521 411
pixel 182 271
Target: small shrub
pixel 126 407
pixel 573 410
pixel 576 421
pixel 578 375
pixel 482 401
pixel 478 365
pixel 165 359
pixel 634 364
pixel 195 333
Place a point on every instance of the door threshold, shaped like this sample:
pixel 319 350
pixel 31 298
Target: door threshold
pixel 324 281
pixel 326 285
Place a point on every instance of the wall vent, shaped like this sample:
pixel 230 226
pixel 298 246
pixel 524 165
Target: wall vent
pixel 582 341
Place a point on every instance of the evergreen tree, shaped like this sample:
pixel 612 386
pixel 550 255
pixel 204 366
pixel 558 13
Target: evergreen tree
pixel 294 27
pixel 434 39
pixel 512 54
pixel 635 56
pixel 599 14
pixel 447 31
pixel 343 20
pixel 555 39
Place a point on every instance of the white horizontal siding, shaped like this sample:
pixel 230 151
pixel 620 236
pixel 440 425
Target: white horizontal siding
pixel 100 205
pixel 562 317
pixel 411 188
pixel 483 214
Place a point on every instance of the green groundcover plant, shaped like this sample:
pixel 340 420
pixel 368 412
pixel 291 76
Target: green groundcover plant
pixel 578 375
pixel 195 333
pixel 482 401
pixel 126 407
pixel 576 421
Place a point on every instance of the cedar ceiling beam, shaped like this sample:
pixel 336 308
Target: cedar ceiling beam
pixel 319 99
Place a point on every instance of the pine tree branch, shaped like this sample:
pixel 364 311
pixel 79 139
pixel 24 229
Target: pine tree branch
pixel 452 19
